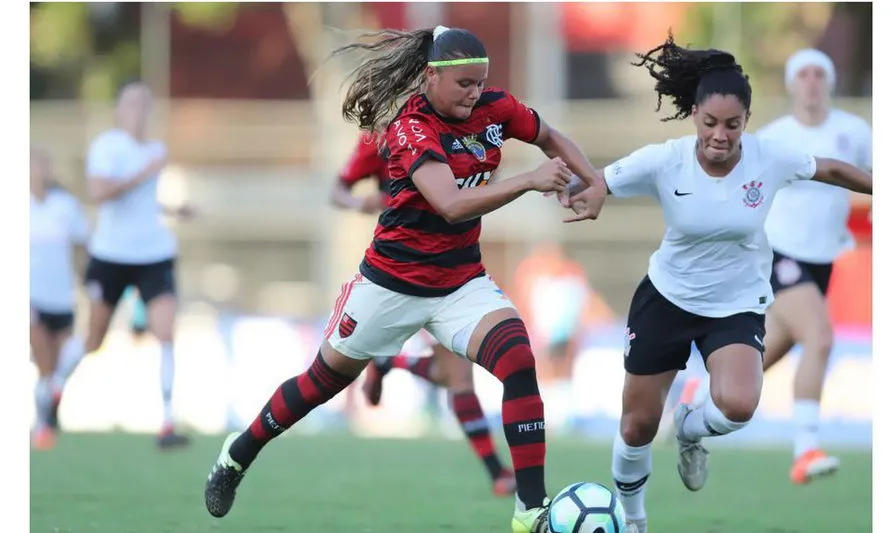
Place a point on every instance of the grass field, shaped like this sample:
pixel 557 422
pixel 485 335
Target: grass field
pixel 338 484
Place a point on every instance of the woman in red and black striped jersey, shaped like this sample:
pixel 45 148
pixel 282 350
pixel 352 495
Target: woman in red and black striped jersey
pixel 423 269
pixel 422 354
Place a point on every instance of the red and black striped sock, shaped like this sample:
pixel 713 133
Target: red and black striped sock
pixel 292 401
pixel 506 353
pixel 419 366
pixel 470 415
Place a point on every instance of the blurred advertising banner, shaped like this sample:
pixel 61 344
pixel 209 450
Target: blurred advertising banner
pixel 227 368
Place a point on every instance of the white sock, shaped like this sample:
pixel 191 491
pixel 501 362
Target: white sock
pixel 71 354
pixel 167 368
pixel 806 414
pixel 43 398
pixel 707 421
pixel 631 469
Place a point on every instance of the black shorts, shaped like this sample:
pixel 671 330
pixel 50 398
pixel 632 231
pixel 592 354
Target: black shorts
pixel 53 322
pixel 788 272
pixel 107 281
pixel 659 334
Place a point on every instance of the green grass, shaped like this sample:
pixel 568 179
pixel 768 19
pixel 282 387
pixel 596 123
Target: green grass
pixel 338 484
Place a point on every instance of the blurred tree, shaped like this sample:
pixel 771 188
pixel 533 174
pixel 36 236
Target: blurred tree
pixel 87 50
pixel 763 35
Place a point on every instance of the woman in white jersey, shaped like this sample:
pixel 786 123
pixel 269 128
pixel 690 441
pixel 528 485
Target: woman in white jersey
pixel 57 224
pixel 807 229
pixel 131 245
pixel 709 281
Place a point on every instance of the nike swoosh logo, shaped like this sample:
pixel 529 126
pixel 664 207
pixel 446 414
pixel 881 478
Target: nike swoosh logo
pixel 759 341
pixel 676 193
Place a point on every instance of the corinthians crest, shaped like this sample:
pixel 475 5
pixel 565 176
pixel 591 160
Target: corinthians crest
pixel 753 197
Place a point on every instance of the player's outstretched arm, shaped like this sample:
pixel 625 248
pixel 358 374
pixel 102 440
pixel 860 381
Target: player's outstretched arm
pixel 841 174
pixel 437 183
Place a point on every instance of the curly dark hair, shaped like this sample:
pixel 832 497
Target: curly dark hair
pixel 688 77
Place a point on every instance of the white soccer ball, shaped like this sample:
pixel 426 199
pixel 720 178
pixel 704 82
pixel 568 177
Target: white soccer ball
pixel 586 508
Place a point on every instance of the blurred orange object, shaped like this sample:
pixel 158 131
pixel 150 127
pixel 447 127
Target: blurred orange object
pixel 850 291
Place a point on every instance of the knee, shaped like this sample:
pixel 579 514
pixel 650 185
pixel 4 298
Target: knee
pixel 505 350
pixel 737 406
pixel 819 342
pixel 162 315
pixel 460 379
pixel 638 429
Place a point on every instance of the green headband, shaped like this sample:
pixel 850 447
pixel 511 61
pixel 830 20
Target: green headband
pixel 456 62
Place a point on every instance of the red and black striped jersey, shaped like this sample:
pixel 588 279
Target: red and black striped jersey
pixel 415 251
pixel 366 161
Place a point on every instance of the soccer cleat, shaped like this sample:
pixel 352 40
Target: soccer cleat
pixel 531 521
pixel 169 439
pixel 812 465
pixel 505 484
pixel 692 456
pixel 373 386
pixel 43 439
pixel 224 477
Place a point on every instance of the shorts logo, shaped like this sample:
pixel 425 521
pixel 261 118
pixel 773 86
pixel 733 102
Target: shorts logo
pixel 94 291
pixel 347 326
pixel 629 336
pixel 787 271
pixel 753 196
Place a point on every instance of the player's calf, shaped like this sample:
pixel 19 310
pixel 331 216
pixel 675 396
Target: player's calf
pixel 505 352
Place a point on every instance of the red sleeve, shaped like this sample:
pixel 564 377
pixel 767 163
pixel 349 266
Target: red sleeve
pixel 364 162
pixel 522 122
pixel 412 140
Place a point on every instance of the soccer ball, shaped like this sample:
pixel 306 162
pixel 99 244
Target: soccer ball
pixel 586 508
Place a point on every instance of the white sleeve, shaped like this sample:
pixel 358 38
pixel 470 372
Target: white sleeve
pixel 635 174
pixel 101 158
pixel 793 164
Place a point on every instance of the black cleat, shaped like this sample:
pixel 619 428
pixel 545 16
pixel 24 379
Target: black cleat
pixel 169 440
pixel 226 474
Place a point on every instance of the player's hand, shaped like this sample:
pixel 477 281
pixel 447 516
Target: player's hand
pixel 371 204
pixel 586 204
pixel 550 176
pixel 186 212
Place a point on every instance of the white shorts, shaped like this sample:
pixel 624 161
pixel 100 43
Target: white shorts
pixel 371 321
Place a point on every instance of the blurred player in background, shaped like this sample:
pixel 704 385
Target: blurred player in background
pixel 57 224
pixel 421 355
pixel 807 229
pixel 554 295
pixel 131 244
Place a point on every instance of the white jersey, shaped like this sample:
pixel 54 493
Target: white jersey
pixel 57 223
pixel 808 221
pixel 129 228
pixel 714 259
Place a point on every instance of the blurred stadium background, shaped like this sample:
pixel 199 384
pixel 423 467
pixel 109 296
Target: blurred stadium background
pixel 255 148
